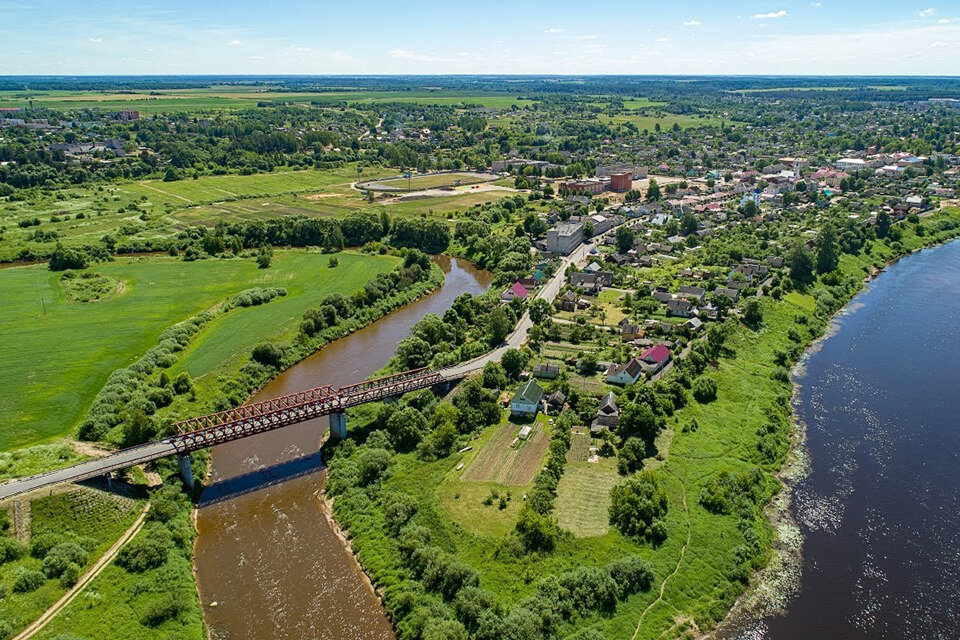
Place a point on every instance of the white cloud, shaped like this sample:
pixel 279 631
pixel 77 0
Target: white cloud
pixel 692 23
pixel 663 40
pixel 95 40
pixel 816 4
pixel 770 16
pixel 939 45
pixel 257 58
pixel 553 31
pixel 406 54
pixel 943 21
pixel 234 43
pixel 926 13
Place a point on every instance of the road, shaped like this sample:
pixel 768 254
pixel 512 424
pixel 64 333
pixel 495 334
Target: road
pixel 163 448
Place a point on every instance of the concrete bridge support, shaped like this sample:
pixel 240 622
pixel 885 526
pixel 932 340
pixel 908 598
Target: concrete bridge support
pixel 186 470
pixel 338 426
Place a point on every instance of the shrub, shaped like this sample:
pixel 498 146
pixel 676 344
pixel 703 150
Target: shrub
pixel 26 580
pixel 70 575
pixel 705 390
pixel 60 557
pixel 268 353
pixel 638 506
pixel 11 549
pixel 372 464
pixel 160 609
pixel 400 508
pixel 148 550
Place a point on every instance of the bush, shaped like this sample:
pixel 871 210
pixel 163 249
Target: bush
pixel 70 575
pixel 59 558
pixel 400 508
pixel 372 464
pixel 705 390
pixel 11 549
pixel 26 580
pixel 148 550
pixel 268 353
pixel 631 574
pixel 160 609
pixel 638 506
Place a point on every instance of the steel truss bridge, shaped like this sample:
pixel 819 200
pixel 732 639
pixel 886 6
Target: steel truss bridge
pixel 241 422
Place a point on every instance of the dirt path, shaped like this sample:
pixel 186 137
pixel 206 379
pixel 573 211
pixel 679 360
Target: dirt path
pixel 85 579
pixel 171 195
pixel 676 569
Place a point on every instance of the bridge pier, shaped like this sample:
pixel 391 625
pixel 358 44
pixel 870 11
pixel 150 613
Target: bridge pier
pixel 186 470
pixel 338 425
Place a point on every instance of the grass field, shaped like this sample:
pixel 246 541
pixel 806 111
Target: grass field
pixel 78 512
pixel 666 121
pixel 583 497
pixel 430 181
pixel 224 98
pixel 47 389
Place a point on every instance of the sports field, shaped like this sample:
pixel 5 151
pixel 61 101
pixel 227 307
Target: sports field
pixel 58 354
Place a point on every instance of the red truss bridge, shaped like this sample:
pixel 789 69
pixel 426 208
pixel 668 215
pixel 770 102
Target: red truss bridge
pixel 242 422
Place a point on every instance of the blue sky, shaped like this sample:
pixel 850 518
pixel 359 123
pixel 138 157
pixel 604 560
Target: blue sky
pixel 880 37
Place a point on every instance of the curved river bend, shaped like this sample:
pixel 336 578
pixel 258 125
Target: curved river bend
pixel 880 510
pixel 265 553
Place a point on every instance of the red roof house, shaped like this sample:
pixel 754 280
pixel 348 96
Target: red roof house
pixel 516 291
pixel 656 356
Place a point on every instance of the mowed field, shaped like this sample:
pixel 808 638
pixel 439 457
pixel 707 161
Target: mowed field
pixel 58 354
pixel 431 181
pixel 234 98
pixel 583 496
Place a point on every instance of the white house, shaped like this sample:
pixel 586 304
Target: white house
pixel 526 402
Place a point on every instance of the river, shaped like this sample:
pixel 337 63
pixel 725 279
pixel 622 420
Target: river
pixel 268 564
pixel 880 509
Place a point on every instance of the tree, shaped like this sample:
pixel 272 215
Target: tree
pixel 406 428
pixel 63 258
pixel 477 407
pixel 494 377
pixel 704 389
pixel 371 465
pixel 625 238
pixel 638 505
pixel 688 224
pixel 801 265
pixel 637 419
pixel 753 311
pixel 540 311
pixel 883 224
pixel 498 326
pixel 828 249
pixel 513 362
pixel 653 191
pixel 537 532
pixel 264 256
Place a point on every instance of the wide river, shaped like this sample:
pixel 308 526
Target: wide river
pixel 880 510
pixel 268 564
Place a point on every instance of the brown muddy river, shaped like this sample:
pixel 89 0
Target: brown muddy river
pixel 265 553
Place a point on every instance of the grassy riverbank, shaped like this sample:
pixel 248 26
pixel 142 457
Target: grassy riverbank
pixel 717 533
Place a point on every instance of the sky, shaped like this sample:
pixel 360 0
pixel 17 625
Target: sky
pixel 769 37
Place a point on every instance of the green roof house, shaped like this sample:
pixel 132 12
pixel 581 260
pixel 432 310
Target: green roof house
pixel 526 402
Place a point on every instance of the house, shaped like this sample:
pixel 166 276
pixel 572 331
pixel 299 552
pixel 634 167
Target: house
pixel 656 358
pixel 630 331
pixel 526 402
pixel 516 291
pixel 851 164
pixel 680 308
pixel 568 301
pixel 591 282
pixel 608 415
pixel 662 297
pixel 546 371
pixel 692 293
pixel 556 401
pixel 593 267
pixel 693 325
pixel 624 374
pixel 775 261
pixel 733 294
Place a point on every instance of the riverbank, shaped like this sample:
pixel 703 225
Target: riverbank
pixel 773 587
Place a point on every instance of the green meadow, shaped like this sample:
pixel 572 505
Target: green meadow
pixel 58 354
pixel 223 98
